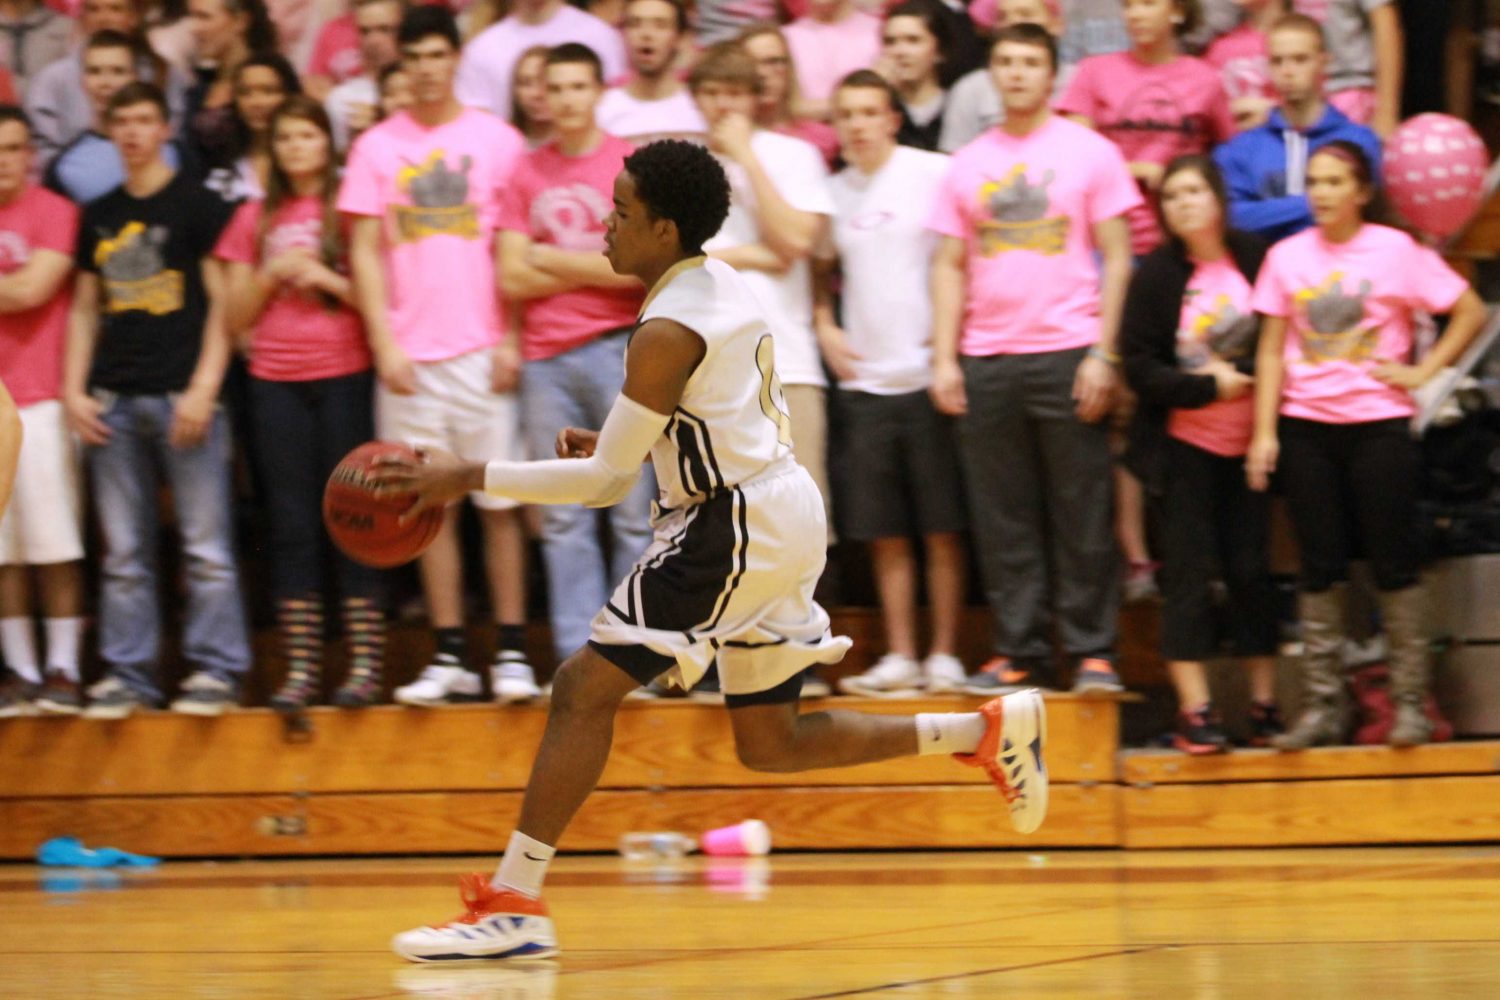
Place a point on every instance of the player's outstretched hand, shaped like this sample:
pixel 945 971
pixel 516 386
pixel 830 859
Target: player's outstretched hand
pixel 434 479
pixel 575 442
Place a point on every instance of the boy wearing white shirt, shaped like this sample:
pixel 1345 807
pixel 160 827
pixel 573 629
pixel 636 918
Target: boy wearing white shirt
pixel 654 104
pixel 903 461
pixel 778 207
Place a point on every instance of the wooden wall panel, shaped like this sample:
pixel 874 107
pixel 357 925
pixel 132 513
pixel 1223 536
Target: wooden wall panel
pixel 465 748
pixel 842 818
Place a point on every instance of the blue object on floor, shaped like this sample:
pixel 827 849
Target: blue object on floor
pixel 68 852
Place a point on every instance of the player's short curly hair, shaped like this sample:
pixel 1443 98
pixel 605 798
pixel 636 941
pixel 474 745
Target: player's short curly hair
pixel 683 182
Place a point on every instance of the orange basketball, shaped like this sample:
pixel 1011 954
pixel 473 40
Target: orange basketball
pixel 367 526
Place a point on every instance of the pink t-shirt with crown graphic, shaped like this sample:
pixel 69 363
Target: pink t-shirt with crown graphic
pixel 437 192
pixel 1217 324
pixel 1349 308
pixel 1026 207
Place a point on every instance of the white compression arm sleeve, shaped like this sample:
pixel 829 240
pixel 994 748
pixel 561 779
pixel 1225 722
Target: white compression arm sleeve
pixel 601 480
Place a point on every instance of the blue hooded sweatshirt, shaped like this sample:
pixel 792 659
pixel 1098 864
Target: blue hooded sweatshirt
pixel 1265 170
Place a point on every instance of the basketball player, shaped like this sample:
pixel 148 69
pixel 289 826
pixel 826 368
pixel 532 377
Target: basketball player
pixel 729 577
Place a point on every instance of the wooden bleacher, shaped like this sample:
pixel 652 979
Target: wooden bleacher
pixel 396 780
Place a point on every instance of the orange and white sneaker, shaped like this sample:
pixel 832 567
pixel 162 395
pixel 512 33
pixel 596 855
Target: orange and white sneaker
pixel 1011 750
pixel 496 924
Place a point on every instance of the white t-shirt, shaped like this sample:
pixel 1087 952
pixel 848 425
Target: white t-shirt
pixel 485 70
pixel 640 122
pixel 341 101
pixel 796 168
pixel 879 230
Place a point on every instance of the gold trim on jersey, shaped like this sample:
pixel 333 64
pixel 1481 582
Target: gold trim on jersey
pixel 687 263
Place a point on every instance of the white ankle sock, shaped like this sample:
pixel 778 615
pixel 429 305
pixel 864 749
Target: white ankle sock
pixel 63 635
pixel 18 643
pixel 524 865
pixel 948 732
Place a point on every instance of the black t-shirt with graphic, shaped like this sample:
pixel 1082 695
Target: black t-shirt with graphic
pixel 148 254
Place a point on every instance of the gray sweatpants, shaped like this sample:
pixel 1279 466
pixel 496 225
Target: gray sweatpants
pixel 1040 489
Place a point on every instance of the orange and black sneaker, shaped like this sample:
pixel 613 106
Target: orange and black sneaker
pixel 496 925
pixel 1012 751
pixel 1199 733
pixel 1003 675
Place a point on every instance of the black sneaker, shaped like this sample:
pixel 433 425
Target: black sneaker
pixel 1265 723
pixel 1199 733
pixel 112 698
pixel 1096 674
pixel 1002 675
pixel 205 694
pixel 17 697
pixel 59 695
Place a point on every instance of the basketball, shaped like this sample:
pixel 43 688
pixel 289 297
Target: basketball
pixel 366 526
pixel 1434 171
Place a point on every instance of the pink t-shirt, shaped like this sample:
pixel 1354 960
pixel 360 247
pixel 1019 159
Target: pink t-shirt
pixel 1026 207
pixel 437 191
pixel 824 53
pixel 1349 308
pixel 31 342
pixel 336 52
pixel 1240 57
pixel 562 201
pixel 297 337
pixel 1216 323
pixel 1153 113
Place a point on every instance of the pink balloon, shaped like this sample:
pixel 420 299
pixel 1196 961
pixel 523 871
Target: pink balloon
pixel 1434 173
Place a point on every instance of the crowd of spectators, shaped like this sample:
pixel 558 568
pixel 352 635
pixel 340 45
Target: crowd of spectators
pixel 1016 251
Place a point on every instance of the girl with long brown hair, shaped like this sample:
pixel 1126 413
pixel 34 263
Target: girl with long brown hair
pixel 311 388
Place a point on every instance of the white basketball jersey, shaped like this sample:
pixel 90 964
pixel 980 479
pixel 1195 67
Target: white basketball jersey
pixel 731 424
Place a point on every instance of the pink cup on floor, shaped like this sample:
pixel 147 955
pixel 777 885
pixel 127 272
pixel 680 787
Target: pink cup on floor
pixel 752 837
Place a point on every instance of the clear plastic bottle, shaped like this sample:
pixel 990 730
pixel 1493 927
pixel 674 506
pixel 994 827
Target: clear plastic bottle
pixel 656 845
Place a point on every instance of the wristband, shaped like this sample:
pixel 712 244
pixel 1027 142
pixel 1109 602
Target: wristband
pixel 1108 357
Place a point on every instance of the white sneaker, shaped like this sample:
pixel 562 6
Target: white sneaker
pixel 512 679
pixel 1012 751
pixel 496 924
pixel 944 673
pixel 893 676
pixel 441 683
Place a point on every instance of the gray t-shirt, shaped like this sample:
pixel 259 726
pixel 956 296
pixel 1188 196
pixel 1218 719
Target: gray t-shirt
pixel 1351 45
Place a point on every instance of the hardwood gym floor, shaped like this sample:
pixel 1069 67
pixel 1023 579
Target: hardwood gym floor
pixel 1302 924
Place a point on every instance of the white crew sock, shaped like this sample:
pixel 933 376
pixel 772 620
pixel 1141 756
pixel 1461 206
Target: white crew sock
pixel 949 732
pixel 524 865
pixel 63 635
pixel 18 643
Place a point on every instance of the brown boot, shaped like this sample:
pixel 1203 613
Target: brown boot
pixel 1404 613
pixel 1325 712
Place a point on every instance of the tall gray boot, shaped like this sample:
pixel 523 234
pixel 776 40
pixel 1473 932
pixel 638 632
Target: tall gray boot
pixel 1325 712
pixel 1411 666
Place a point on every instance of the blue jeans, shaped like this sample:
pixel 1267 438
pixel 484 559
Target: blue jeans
pixel 576 389
pixel 125 473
